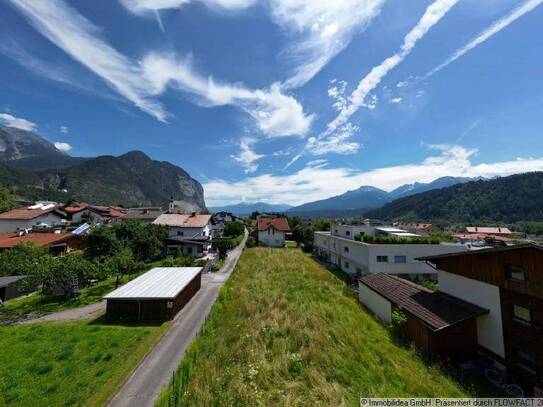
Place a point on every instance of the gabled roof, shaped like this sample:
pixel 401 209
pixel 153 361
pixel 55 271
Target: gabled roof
pixel 158 283
pixel 75 207
pixel 482 251
pixel 280 224
pixel 436 310
pixel 27 214
pixel 488 230
pixel 8 240
pixel 147 214
pixel 107 211
pixel 182 221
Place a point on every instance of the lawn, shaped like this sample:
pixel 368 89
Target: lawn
pixel 286 331
pixel 69 364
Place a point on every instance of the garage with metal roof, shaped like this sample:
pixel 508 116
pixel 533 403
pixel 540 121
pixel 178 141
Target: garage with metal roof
pixel 159 294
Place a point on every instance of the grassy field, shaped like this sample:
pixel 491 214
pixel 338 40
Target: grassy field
pixel 285 331
pixel 69 364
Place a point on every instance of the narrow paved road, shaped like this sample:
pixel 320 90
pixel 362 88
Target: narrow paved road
pixel 155 371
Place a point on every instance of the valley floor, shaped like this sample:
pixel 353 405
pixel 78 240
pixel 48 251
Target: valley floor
pixel 286 331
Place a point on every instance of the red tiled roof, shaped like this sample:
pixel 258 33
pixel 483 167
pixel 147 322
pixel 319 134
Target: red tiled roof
pixel 75 208
pixel 280 224
pixel 480 236
pixel 107 211
pixel 488 230
pixel 8 240
pixel 436 310
pixel 182 221
pixel 25 213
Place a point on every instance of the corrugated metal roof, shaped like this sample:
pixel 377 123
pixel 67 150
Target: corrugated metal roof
pixel 158 283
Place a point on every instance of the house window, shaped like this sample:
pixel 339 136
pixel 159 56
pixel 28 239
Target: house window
pixel 346 249
pixel 382 259
pixel 179 233
pixel 346 264
pixel 526 360
pixel 336 231
pixel 515 272
pixel 347 233
pixel 522 314
pixel 400 259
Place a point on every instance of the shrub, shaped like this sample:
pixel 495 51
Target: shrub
pixel 398 321
pixel 234 229
pixel 251 242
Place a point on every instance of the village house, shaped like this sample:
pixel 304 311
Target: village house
pixel 423 229
pixel 489 231
pixel 58 243
pixel 507 281
pixel 219 221
pixel 272 231
pixel 145 215
pixel 78 213
pixel 39 215
pixel 339 247
pixel 191 234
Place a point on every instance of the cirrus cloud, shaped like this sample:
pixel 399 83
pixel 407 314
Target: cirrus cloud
pixel 18 122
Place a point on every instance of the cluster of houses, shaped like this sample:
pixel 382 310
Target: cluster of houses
pixel 489 304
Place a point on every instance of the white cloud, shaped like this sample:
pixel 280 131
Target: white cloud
pixel 317 182
pixel 64 147
pixel 337 93
pixel 79 38
pixel 489 32
pixel 396 100
pixel 284 152
pixel 338 142
pixel 12 121
pixel 402 84
pixel 432 15
pixel 141 7
pixel 319 30
pixel 246 156
pixel 64 129
pixel 275 113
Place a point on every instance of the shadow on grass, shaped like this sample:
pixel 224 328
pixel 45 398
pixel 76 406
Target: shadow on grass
pixel 102 320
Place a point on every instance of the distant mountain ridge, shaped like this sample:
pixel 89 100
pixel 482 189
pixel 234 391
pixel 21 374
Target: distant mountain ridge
pixel 246 208
pixel 366 197
pixel 132 179
pixel 506 199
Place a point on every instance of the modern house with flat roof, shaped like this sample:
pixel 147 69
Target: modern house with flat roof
pixel 355 257
pixel 508 281
pixel 158 294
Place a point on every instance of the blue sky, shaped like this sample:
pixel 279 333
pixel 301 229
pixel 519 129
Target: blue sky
pixel 283 100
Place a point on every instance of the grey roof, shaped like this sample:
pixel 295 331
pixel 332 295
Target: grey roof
pixel 482 251
pixel 5 281
pixel 158 283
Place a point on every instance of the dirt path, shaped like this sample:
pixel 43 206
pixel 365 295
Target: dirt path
pixel 71 314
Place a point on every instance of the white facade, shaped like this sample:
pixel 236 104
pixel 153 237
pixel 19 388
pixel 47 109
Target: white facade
pixel 376 303
pixel 489 326
pixel 177 231
pixel 271 237
pixel 11 225
pixel 355 257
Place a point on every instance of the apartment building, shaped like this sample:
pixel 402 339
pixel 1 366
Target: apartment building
pixel 508 281
pixel 340 248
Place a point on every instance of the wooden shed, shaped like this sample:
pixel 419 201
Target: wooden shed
pixel 436 322
pixel 9 287
pixel 158 294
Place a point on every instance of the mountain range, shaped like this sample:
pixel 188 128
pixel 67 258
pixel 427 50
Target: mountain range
pixel 360 200
pixel 246 208
pixel 35 169
pixel 507 199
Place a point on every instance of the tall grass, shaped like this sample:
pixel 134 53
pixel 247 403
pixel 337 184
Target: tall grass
pixel 285 331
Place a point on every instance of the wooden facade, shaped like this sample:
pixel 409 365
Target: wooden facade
pixel 519 290
pixel 457 342
pixel 152 309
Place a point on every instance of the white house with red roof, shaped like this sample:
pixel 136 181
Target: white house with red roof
pixel 272 231
pixel 40 214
